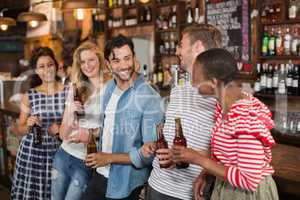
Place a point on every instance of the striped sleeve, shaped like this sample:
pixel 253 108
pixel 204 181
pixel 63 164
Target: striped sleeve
pixel 251 156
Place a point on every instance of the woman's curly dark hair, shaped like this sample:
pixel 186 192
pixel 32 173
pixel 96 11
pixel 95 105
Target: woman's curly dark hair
pixel 36 54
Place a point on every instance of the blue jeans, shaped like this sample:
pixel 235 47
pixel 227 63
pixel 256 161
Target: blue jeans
pixel 70 177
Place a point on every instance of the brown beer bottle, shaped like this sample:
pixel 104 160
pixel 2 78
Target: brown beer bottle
pixel 91 146
pixel 180 141
pixel 37 134
pixel 77 97
pixel 161 142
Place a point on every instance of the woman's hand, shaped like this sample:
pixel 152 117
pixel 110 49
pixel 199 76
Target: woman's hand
pixel 198 186
pixel 32 120
pixel 53 129
pixel 98 159
pixel 81 137
pixel 189 155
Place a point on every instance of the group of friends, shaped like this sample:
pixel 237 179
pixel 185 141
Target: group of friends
pixel 227 130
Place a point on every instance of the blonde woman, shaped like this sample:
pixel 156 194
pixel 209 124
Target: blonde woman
pixel 70 175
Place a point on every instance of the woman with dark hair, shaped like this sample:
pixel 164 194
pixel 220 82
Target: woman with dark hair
pixel 40 115
pixel 241 141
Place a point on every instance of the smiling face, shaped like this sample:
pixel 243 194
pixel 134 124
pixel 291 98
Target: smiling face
pixel 46 69
pixel 184 52
pixel 121 63
pixel 89 63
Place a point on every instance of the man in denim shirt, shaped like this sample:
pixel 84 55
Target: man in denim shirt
pixel 131 110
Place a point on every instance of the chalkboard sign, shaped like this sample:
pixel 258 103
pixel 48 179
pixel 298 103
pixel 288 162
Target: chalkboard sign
pixel 232 18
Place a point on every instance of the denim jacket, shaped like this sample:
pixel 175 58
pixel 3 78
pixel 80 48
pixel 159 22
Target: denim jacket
pixel 138 110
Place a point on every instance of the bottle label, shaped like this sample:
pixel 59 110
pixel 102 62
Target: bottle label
pixel 269 82
pixel 298 126
pixel 275 82
pixel 295 83
pixel 272 44
pixel 289 82
pixel 294 46
pixel 287 45
pixel 257 86
pixel 293 12
pixel 263 81
pixel 278 42
pixel 281 87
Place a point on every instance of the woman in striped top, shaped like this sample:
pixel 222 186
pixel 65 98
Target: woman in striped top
pixel 241 140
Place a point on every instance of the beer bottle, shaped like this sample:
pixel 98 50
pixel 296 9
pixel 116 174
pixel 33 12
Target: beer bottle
pixel 161 142
pixel 77 97
pixel 180 141
pixel 37 134
pixel 91 146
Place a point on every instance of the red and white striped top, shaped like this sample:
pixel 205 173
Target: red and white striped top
pixel 242 142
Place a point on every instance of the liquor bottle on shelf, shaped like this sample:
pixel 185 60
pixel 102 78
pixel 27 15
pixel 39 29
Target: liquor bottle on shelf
pixel 295 84
pixel 282 81
pixel 287 42
pixel 263 79
pixel 269 80
pixel 132 2
pixel 91 146
pixel 295 42
pixel 275 79
pixel 173 18
pixel 263 15
pixel 120 2
pixel 197 13
pixel 257 81
pixel 279 43
pixel 293 9
pixel 160 76
pixel 289 78
pixel 126 2
pixel 166 40
pixel 271 45
pixel 189 14
pixel 180 141
pixel 148 15
pixel 271 14
pixel 110 3
pixel 278 13
pixel 172 43
pixel 265 43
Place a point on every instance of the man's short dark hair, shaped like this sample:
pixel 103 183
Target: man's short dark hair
pixel 117 42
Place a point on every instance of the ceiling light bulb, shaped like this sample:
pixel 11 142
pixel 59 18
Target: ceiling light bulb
pixel 3 27
pixel 33 23
pixel 79 14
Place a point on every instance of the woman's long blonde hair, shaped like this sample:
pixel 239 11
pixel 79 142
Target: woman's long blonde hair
pixel 81 81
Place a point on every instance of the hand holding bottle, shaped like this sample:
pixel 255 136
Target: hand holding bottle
pixel 53 129
pixel 32 120
pixel 165 158
pixel 182 154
